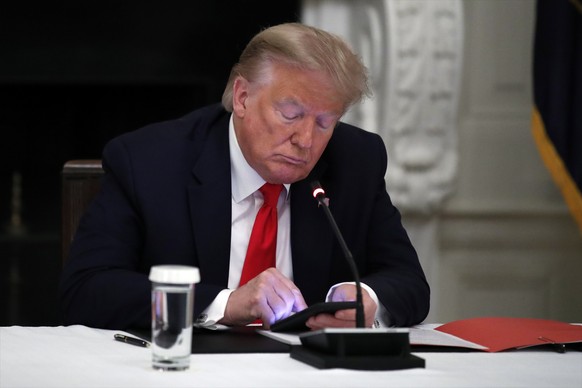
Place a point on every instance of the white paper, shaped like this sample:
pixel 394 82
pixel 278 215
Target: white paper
pixel 286 338
pixel 426 335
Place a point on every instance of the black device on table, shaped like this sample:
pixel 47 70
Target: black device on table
pixel 296 322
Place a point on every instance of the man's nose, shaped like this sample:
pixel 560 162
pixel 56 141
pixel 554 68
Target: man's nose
pixel 303 135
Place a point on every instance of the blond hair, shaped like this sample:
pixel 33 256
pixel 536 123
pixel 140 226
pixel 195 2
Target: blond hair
pixel 303 47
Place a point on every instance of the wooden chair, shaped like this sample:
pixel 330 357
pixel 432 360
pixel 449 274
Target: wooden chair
pixel 81 180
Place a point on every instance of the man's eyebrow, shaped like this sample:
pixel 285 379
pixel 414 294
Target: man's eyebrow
pixel 289 101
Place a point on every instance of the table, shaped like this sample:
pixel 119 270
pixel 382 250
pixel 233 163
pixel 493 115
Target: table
pixel 79 356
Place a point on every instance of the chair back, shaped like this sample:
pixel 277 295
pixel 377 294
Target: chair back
pixel 81 180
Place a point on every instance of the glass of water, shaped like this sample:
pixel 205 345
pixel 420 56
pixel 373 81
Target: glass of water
pixel 172 309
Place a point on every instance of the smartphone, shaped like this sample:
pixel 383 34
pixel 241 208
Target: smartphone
pixel 296 322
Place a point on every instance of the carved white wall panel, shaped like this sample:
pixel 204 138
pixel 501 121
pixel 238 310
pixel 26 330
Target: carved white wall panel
pixel 503 243
pixel 422 95
pixel 413 49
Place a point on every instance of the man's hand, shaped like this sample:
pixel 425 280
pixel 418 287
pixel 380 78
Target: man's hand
pixel 345 318
pixel 270 296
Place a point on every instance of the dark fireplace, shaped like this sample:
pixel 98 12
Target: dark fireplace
pixel 75 74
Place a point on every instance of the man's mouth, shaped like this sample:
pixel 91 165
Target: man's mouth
pixel 293 160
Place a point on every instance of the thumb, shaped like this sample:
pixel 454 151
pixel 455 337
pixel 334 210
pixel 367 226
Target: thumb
pixel 343 293
pixel 299 303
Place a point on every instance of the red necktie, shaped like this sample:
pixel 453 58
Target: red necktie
pixel 263 243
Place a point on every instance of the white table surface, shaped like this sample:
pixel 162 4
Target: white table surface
pixel 78 356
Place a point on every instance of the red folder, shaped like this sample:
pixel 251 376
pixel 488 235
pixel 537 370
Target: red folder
pixel 498 334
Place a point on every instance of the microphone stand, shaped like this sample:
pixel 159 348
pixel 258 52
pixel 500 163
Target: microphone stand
pixel 319 195
pixel 354 348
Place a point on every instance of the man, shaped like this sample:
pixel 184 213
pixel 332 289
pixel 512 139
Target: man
pixel 188 192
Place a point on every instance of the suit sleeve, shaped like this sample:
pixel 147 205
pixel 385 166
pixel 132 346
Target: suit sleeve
pixel 393 268
pixel 386 259
pixel 102 284
pixel 105 281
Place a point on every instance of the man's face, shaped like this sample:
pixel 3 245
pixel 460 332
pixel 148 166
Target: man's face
pixel 284 124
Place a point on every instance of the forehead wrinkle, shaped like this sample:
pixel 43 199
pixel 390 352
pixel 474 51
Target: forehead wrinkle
pixel 290 101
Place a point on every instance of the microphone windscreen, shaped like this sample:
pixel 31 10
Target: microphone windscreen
pixel 317 190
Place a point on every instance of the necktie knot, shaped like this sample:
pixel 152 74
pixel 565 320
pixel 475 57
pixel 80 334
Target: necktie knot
pixel 271 193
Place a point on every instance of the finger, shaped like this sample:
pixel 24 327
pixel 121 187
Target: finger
pixel 346 315
pixel 250 302
pixel 350 314
pixel 267 316
pixel 288 291
pixel 280 303
pixel 344 293
pixel 272 296
pixel 286 300
pixel 322 321
pixel 299 302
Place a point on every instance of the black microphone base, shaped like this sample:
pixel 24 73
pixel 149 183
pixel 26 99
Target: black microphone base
pixel 362 349
pixel 325 361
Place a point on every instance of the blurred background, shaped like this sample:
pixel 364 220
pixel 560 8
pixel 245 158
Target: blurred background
pixel 75 74
pixel 495 237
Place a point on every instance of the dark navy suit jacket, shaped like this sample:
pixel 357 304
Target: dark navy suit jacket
pixel 166 199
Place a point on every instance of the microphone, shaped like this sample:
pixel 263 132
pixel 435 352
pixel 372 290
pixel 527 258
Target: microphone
pixel 354 348
pixel 319 194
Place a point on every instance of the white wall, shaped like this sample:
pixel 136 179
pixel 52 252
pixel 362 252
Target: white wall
pixel 508 244
pixel 503 244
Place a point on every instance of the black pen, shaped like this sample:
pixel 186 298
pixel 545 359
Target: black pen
pixel 558 347
pixel 131 340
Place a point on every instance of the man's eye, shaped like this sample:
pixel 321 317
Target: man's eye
pixel 289 116
pixel 325 124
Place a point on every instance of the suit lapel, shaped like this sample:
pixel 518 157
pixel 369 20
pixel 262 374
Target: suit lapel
pixel 210 205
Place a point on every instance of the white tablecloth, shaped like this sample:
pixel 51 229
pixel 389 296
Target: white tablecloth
pixel 78 356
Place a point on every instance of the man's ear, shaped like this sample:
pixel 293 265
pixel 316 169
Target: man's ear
pixel 240 93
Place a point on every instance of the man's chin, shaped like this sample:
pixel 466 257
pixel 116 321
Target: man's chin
pixel 285 173
pixel 288 178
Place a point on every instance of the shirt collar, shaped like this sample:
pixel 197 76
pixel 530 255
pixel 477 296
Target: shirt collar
pixel 244 179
